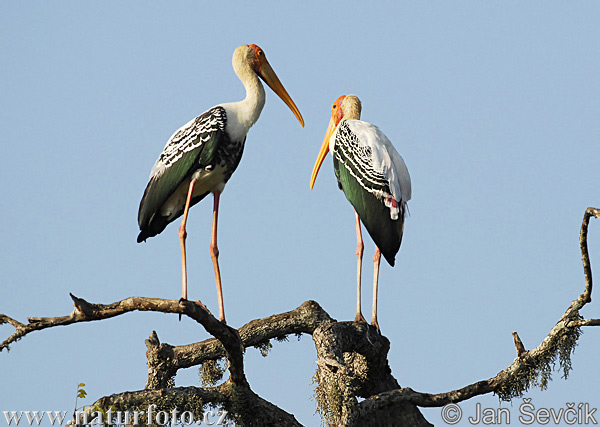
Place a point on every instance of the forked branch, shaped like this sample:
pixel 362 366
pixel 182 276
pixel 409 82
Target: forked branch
pixel 87 312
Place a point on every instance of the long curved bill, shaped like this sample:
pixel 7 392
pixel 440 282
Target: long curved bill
pixel 271 79
pixel 322 153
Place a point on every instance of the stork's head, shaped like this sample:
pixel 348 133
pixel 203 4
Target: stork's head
pixel 251 58
pixel 345 107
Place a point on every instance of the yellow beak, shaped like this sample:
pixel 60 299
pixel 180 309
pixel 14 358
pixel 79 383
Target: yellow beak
pixel 323 152
pixel 270 78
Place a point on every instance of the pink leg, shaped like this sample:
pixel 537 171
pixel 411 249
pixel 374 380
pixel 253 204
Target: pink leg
pixel 182 237
pixel 360 247
pixel 376 260
pixel 214 254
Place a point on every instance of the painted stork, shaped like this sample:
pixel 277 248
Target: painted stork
pixel 200 157
pixel 374 179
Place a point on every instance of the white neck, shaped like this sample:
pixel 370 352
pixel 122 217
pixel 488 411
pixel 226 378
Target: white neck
pixel 243 114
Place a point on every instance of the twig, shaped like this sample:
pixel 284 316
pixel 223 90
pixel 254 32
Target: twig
pixel 518 344
pixel 5 319
pixel 583 322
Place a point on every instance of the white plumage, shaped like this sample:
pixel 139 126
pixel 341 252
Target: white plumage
pixel 376 154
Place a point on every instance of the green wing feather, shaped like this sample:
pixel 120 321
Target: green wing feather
pixel 385 232
pixel 162 185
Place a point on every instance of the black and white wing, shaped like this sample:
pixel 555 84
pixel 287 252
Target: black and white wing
pixel 375 180
pixel 190 148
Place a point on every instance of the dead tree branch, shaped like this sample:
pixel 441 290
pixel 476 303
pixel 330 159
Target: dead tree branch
pixel 240 402
pixel 351 362
pixel 518 344
pixel 164 360
pixel 585 256
pixel 304 319
pixel 531 367
pixel 87 312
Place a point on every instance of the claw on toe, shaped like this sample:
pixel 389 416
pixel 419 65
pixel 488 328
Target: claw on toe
pixel 182 299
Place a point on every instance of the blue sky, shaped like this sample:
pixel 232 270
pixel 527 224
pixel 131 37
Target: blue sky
pixel 494 107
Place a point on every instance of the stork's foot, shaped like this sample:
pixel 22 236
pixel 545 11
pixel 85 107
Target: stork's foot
pixel 360 318
pixel 202 305
pixel 198 302
pixel 374 323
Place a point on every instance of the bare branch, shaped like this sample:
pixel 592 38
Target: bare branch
pixel 5 319
pixel 241 402
pixel 165 360
pixel 190 399
pixel 585 257
pixel 87 312
pixel 584 322
pixel 524 370
pixel 161 372
pixel 304 319
pixel 352 361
